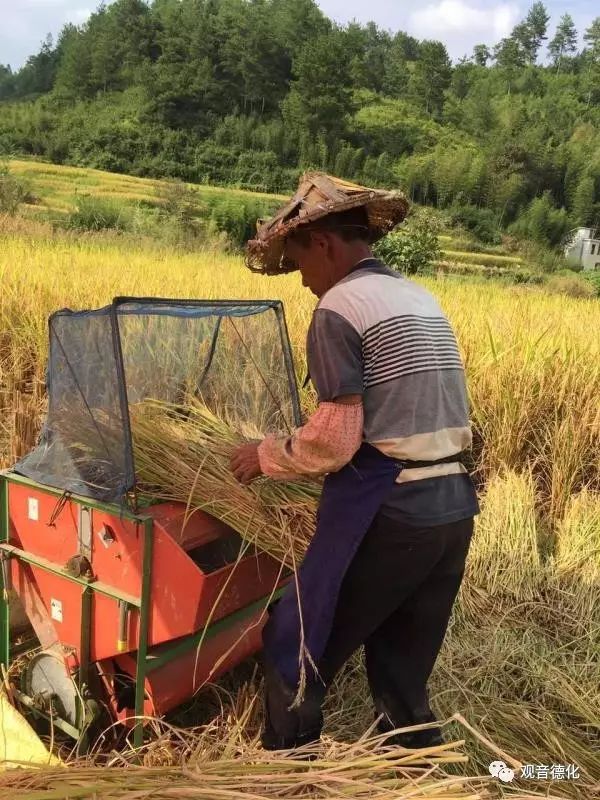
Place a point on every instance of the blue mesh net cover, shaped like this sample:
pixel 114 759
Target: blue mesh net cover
pixel 234 356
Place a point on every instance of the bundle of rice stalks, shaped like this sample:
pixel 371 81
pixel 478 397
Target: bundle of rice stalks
pixel 574 568
pixel 357 775
pixel 183 455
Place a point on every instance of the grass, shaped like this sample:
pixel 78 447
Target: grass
pixel 514 275
pixel 172 212
pixel 520 661
pixel 468 244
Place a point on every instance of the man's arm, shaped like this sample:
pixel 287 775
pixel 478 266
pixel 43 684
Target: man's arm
pixel 325 444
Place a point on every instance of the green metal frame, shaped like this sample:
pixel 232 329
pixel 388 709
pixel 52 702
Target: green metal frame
pixel 144 663
pixel 4 600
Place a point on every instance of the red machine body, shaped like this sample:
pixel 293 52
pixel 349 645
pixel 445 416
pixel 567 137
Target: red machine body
pixel 173 683
pixel 201 576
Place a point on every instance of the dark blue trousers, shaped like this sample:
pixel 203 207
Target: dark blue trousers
pixel 396 599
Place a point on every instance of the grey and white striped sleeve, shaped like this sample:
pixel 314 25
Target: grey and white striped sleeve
pixel 334 353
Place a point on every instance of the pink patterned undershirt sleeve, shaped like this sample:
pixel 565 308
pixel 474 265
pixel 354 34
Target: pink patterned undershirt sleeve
pixel 326 443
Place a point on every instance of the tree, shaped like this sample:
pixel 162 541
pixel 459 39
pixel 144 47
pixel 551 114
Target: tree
pixel 479 113
pixel 542 221
pixel 106 53
pixel 403 49
pixel 188 82
pixel 394 127
pixel 431 77
pixel 523 45
pixel 7 82
pixel 592 55
pixel 564 42
pixel 413 248
pixel 481 55
pixel 532 32
pixel 13 191
pixel 523 39
pixel 251 56
pixel 39 72
pixel 324 111
pixel 297 22
pixel 509 54
pixel 134 30
pixel 462 78
pixel 592 39
pixel 73 77
pixel 583 201
pixel 510 57
pixel 368 50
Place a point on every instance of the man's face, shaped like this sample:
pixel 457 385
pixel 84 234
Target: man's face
pixel 317 260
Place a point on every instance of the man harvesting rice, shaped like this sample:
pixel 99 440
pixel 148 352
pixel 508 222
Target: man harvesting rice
pixel 396 514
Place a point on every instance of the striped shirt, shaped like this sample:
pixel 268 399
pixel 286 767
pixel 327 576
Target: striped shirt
pixel 379 335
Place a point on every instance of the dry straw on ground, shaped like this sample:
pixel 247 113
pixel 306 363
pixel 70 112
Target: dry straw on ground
pixel 216 767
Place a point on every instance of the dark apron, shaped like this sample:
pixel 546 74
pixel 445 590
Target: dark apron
pixel 349 502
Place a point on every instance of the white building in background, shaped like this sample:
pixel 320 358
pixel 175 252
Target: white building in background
pixel 582 248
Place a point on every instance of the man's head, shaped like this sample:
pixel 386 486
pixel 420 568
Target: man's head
pixel 324 230
pixel 326 250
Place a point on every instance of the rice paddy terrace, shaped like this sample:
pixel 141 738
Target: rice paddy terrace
pixel 56 187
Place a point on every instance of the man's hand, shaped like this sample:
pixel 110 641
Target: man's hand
pixel 245 464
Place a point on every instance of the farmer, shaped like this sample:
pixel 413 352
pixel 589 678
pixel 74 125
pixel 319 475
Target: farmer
pixel 396 514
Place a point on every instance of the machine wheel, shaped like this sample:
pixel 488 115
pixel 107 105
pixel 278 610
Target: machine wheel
pixel 46 680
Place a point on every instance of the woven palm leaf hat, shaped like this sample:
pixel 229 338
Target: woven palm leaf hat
pixel 317 196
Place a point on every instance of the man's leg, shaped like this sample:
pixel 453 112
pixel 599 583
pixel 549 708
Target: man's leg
pixel 401 653
pixel 391 564
pixel 286 726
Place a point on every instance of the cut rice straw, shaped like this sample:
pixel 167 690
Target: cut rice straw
pixel 183 455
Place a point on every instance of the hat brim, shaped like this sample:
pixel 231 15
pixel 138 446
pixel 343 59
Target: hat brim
pixel 266 253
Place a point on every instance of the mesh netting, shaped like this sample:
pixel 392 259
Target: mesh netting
pixel 232 356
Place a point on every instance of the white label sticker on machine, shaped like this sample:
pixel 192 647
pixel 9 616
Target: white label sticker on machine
pixel 33 511
pixel 56 609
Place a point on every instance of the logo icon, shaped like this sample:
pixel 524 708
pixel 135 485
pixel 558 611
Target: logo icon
pixel 499 770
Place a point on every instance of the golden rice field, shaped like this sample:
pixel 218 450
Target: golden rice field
pixel 522 659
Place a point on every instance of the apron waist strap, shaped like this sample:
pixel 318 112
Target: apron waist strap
pixel 457 458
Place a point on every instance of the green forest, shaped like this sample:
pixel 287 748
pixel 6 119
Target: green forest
pixel 249 93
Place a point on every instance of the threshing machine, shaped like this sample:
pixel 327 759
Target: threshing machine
pixel 136 604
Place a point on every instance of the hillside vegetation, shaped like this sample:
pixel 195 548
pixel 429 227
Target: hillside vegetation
pixel 250 92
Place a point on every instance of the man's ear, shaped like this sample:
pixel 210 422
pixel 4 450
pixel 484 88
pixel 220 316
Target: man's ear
pixel 321 239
